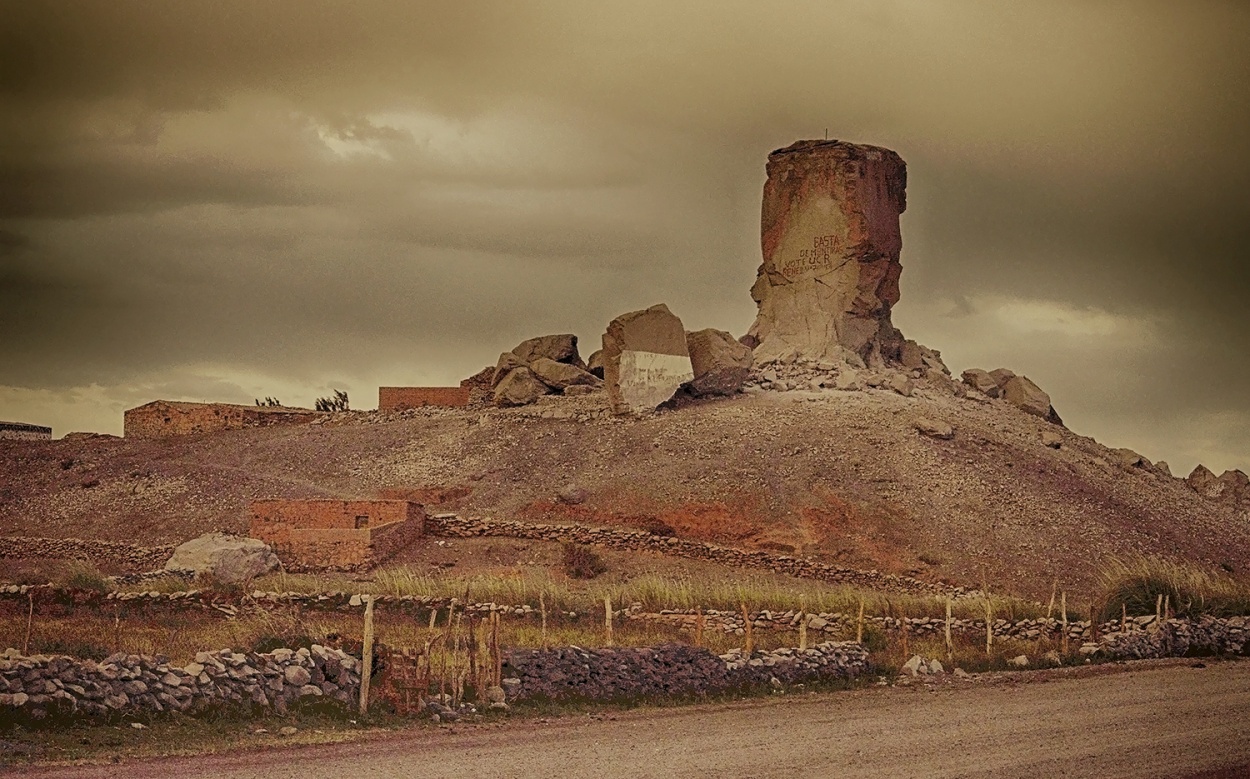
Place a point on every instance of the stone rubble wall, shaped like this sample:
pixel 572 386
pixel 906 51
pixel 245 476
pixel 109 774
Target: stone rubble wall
pixel 627 540
pixel 1237 629
pixel 50 600
pixel 673 670
pixel 40 686
pixel 129 555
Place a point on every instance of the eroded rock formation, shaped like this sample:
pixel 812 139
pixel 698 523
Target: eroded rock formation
pixel 831 242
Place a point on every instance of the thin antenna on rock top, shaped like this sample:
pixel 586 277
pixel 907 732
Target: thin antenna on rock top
pixel 826 133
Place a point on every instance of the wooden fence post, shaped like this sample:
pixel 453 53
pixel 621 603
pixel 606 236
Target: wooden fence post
pixel 542 605
pixel 950 644
pixel 1063 607
pixel 803 622
pixel 607 618
pixel 748 628
pixel 859 623
pixel 989 627
pixel 366 656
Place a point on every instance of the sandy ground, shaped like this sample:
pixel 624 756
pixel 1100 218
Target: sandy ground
pixel 1170 720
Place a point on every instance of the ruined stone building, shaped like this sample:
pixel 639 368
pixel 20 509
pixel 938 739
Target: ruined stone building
pixel 336 534
pixel 20 431
pixel 162 418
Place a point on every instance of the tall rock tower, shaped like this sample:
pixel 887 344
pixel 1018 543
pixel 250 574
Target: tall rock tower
pixel 831 241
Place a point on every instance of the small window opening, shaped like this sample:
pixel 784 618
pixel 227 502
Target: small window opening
pixel 362 522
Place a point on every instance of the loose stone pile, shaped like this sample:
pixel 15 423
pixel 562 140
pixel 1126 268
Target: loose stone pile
pixel 40 686
pixel 567 673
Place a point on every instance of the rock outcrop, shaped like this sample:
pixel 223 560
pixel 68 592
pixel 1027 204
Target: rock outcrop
pixel 226 558
pixel 1232 486
pixel 645 359
pixel 720 363
pixel 539 366
pixel 831 241
pixel 1019 391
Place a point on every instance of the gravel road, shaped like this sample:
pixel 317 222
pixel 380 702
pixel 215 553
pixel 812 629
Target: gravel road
pixel 1173 720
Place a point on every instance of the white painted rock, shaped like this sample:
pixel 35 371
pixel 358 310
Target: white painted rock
pixel 645 359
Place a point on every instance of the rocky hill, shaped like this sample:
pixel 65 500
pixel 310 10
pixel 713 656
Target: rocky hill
pixel 842 475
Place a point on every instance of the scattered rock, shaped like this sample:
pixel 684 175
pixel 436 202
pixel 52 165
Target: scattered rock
pixel 645 359
pixel 1019 661
pixel 289 730
pixel 1030 398
pixel 1130 459
pixel 910 355
pixel 1052 439
pixel 595 363
pixel 507 363
pixel 573 495
pixel 558 375
pixel 559 348
pixel 900 383
pixel 982 382
pixel 519 388
pixel 226 558
pixel 720 364
pixel 935 428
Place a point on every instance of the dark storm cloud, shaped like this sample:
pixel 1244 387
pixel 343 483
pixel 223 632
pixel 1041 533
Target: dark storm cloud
pixel 240 196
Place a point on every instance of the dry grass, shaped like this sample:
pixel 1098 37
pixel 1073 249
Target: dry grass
pixel 528 585
pixel 1137 584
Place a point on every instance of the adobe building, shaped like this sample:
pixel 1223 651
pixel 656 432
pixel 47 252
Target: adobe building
pixel 327 534
pixel 402 398
pixel 162 418
pixel 20 431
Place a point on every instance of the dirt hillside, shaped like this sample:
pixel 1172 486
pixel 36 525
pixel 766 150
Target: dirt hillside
pixel 841 476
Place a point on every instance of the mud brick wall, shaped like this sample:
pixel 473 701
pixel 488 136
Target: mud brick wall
pixel 336 534
pixel 400 398
pixel 162 418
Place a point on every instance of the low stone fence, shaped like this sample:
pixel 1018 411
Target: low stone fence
pixel 610 673
pixel 127 555
pixel 1175 638
pixel 40 686
pixel 628 540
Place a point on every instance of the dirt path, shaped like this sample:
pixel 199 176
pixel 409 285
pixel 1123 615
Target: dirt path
pixel 1172 721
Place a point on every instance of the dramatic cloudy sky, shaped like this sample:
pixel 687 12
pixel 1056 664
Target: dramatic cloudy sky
pixel 243 198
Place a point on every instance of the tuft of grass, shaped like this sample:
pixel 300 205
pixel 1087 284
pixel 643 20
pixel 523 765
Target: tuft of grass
pixel 83 576
pixel 1137 583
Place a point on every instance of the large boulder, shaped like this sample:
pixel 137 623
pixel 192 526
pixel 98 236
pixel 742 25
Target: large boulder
pixel 645 359
pixel 519 387
pixel 831 242
pixel 721 365
pixel 594 363
pixel 981 381
pixel 558 375
pixel 228 559
pixel 560 348
pixel 507 363
pixel 1030 398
